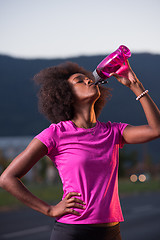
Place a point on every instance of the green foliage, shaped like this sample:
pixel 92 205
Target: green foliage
pixel 126 161
pixel 128 187
pixel 47 193
pixel 3 161
pixel 53 193
pixel 43 168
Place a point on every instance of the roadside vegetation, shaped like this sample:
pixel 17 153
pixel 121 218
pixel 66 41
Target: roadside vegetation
pixel 53 193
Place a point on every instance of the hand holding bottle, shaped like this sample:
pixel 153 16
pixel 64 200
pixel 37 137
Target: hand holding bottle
pixel 125 75
pixel 111 64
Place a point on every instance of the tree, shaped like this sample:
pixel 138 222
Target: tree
pixel 127 161
pixel 3 161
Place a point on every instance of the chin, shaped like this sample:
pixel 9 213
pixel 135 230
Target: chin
pixel 96 96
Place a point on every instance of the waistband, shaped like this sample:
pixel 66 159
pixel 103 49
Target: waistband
pixel 86 226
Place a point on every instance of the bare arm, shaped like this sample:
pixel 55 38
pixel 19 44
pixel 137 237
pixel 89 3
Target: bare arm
pixel 10 181
pixel 10 178
pixel 144 133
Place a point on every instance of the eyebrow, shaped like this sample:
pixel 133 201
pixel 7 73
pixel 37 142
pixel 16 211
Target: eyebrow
pixel 80 77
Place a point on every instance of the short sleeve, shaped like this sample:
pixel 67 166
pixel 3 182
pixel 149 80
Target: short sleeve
pixel 47 137
pixel 121 127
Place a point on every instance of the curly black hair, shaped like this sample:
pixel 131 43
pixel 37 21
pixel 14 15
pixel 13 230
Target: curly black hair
pixel 56 100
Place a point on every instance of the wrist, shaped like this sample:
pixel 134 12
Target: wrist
pixel 50 211
pixel 137 88
pixel 141 95
pixel 44 208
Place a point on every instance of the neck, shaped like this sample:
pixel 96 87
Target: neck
pixel 85 117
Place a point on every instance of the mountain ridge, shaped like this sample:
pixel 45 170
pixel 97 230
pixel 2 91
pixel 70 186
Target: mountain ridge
pixel 18 101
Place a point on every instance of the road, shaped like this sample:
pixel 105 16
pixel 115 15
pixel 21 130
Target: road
pixel 141 213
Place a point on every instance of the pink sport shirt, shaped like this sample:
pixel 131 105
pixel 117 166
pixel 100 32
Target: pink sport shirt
pixel 87 161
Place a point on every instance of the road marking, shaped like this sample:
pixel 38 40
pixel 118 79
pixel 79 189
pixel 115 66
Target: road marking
pixel 26 232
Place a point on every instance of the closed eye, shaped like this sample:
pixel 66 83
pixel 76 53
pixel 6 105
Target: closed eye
pixel 80 79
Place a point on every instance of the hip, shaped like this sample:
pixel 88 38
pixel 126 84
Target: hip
pixel 63 231
pixel 104 224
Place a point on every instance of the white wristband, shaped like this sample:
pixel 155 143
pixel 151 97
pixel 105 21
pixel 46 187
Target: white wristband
pixel 141 95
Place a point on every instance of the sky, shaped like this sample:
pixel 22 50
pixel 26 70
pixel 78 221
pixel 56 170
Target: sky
pixel 68 28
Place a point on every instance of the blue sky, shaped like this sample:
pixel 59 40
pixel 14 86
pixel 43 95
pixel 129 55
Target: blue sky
pixel 50 29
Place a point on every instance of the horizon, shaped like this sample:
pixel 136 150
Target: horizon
pixel 51 29
pixel 68 57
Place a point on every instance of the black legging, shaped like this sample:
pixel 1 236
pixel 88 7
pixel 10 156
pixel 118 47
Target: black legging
pixel 63 231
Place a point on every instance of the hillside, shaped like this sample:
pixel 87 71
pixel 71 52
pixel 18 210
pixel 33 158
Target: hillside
pixel 18 101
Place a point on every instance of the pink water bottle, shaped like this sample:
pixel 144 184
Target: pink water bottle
pixel 111 64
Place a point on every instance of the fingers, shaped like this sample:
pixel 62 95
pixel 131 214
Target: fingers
pixel 71 194
pixel 117 76
pixel 73 202
pixel 74 199
pixel 114 75
pixel 127 63
pixel 77 203
pixel 68 205
pixel 72 211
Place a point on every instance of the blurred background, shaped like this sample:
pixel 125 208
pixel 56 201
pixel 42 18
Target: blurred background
pixel 36 34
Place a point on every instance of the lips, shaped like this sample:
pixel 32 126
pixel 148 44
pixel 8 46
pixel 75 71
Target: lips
pixel 92 84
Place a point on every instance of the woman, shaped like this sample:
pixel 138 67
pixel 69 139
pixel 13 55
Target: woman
pixel 84 150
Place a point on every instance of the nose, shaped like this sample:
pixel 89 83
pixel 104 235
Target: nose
pixel 88 81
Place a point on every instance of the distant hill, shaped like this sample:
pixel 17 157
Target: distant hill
pixel 18 101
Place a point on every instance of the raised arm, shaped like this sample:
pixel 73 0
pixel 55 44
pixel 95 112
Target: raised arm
pixel 144 133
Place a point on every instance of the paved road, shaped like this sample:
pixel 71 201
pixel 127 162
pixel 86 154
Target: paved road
pixel 142 217
pixel 141 213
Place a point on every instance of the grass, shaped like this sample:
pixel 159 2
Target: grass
pixel 53 193
pixel 47 193
pixel 127 187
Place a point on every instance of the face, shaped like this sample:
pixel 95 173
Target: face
pixel 83 88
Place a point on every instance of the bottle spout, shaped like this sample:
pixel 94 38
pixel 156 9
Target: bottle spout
pixel 100 82
pixel 98 79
